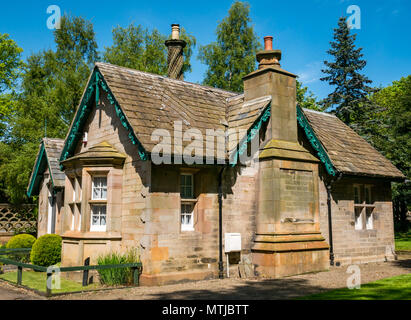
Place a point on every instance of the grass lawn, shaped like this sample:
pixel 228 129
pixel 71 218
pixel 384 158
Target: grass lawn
pixel 403 241
pixel 37 280
pixel 396 288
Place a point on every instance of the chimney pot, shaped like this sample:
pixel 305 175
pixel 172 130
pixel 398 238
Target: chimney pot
pixel 268 43
pixel 175 34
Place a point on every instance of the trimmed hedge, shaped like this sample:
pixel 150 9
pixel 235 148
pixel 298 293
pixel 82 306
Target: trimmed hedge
pixel 18 242
pixel 46 250
pixel 21 241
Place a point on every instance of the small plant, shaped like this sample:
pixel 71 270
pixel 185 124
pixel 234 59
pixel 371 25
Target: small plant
pixel 119 276
pixel 21 241
pixel 2 247
pixel 46 250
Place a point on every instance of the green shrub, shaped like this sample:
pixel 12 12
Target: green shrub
pixel 3 246
pixel 18 242
pixel 120 276
pixel 46 250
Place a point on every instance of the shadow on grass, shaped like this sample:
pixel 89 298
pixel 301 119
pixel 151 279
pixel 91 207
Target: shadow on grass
pixel 403 263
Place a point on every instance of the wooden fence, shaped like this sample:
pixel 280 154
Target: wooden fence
pixel 13 218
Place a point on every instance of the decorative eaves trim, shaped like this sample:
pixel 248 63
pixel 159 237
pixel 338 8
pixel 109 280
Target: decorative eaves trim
pixel 251 133
pixel 94 85
pixel 36 174
pixel 315 142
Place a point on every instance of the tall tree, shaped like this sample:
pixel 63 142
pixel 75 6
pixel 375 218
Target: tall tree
pixel 51 87
pixel 232 56
pixel 392 137
pixel 136 48
pixel 10 68
pixel 351 90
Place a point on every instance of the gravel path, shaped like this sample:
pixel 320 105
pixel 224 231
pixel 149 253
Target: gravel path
pixel 9 292
pixel 237 289
pixel 234 289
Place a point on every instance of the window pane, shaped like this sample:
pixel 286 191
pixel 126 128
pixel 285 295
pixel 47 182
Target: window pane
pixel 367 195
pixel 95 220
pixel 369 219
pixel 356 195
pixel 358 219
pixel 104 194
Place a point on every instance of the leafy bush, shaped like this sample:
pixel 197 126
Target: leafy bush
pixel 18 242
pixel 46 250
pixel 119 276
pixel 3 246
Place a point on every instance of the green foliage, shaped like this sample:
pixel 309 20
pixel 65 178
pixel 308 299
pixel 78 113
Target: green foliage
pixel 306 99
pixel 403 241
pixel 18 242
pixel 38 280
pixel 396 288
pixel 136 48
pixel 51 87
pixel 10 62
pixel 46 250
pixel 350 96
pixel 232 56
pixel 119 276
pixel 389 132
pixel 10 68
pixel 21 241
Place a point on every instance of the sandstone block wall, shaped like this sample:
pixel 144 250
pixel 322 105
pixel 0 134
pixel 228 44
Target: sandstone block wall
pixel 358 246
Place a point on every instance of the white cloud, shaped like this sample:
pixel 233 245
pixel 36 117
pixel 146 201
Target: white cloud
pixel 311 72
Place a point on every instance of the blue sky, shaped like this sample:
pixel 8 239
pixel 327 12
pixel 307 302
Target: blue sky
pixel 301 29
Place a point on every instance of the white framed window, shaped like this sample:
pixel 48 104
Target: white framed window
pixel 187 186
pixel 367 195
pixel 187 217
pixel 98 218
pixel 99 191
pixel 73 188
pixel 369 223
pixel 358 219
pixel 73 217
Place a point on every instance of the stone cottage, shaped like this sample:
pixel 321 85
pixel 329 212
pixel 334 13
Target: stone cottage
pixel 313 192
pixel 47 182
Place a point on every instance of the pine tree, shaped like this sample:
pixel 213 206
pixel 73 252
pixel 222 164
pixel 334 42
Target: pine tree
pixel 233 55
pixel 350 96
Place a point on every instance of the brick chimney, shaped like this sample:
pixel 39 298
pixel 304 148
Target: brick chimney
pixel 175 59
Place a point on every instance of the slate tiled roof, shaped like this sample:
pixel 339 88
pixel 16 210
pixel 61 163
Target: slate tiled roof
pixel 242 115
pixel 47 157
pixel 348 152
pixel 53 149
pixel 152 102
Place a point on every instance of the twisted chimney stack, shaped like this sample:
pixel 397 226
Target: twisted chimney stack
pixel 175 59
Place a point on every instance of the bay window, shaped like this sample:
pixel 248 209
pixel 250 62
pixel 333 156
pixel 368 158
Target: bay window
pixel 99 210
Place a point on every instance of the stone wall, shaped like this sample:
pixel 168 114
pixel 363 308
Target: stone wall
pixel 150 210
pixel 358 246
